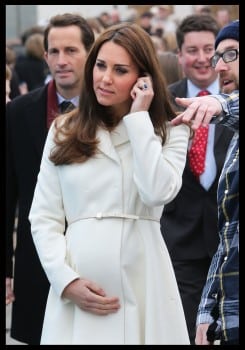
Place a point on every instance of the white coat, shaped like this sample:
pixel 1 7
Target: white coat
pixel 132 174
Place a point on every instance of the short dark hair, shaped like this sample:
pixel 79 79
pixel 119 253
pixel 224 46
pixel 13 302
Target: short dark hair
pixel 69 19
pixel 195 23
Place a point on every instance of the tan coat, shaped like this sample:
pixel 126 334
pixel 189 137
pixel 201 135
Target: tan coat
pixel 132 174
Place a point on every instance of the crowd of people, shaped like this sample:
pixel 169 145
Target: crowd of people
pixel 149 246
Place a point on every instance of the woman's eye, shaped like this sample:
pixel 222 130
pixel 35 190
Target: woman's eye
pixel 121 70
pixel 100 65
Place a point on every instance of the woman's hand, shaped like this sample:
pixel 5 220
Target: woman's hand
pixel 90 297
pixel 142 94
pixel 9 291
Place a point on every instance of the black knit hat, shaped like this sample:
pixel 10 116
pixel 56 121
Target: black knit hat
pixel 231 31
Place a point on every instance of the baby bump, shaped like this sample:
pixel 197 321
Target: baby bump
pixel 108 252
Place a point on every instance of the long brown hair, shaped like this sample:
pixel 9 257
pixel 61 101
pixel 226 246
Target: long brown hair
pixel 75 136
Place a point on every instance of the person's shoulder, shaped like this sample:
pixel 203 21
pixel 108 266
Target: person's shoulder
pixel 62 119
pixel 31 97
pixel 57 125
pixel 178 84
pixel 178 130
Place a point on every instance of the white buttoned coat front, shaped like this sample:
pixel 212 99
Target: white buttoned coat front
pixel 132 174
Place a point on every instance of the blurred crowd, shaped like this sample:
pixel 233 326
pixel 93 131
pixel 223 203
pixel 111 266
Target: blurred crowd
pixel 29 69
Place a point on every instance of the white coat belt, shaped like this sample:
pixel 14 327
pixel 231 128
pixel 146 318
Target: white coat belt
pixel 101 215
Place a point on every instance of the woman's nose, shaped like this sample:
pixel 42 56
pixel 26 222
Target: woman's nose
pixel 107 77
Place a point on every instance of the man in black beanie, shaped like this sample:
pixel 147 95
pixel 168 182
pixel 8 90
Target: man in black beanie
pixel 218 312
pixel 231 31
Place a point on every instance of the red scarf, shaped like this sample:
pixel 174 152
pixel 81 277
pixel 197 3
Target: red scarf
pixel 52 103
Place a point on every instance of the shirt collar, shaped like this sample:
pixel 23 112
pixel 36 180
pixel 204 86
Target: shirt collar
pixel 192 90
pixel 74 100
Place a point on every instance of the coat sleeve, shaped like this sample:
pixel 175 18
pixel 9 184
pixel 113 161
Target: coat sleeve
pixel 47 220
pixel 157 169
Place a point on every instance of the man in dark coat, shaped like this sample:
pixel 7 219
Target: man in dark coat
pixel 189 222
pixel 67 40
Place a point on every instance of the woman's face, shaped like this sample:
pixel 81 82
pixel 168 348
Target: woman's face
pixel 114 75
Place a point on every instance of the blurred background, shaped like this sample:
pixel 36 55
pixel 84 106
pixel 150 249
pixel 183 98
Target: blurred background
pixel 21 17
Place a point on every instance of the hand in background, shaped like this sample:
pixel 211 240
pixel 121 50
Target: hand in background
pixel 9 291
pixel 199 111
pixel 201 334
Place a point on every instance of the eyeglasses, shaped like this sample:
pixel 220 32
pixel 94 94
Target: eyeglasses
pixel 227 56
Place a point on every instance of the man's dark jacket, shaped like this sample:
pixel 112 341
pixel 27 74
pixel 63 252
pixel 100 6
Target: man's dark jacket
pixel 189 222
pixel 26 131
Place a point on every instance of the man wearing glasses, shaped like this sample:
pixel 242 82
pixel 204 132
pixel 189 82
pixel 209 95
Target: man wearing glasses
pixel 218 313
pixel 189 222
pixel 227 56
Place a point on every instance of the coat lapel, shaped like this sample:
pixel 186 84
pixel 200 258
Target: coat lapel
pixel 109 141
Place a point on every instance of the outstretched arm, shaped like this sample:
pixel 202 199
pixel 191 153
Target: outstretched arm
pixel 218 109
pixel 199 110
